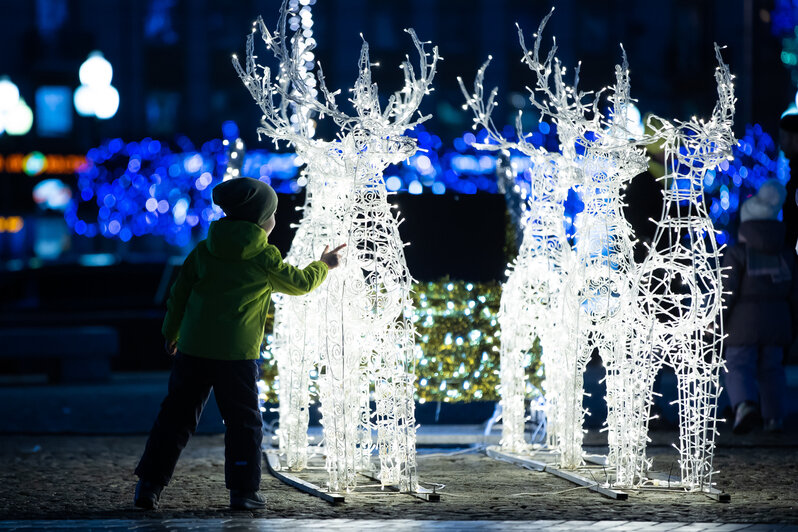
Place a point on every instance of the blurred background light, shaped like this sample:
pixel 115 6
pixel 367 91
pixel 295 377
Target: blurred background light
pixel 53 111
pixel 9 94
pixel 106 101
pixel 96 71
pixel 34 163
pixel 52 194
pixel 19 119
pixel 83 101
pixel 96 96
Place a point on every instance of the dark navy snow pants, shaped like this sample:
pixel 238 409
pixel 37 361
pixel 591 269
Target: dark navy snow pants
pixel 756 374
pixel 234 383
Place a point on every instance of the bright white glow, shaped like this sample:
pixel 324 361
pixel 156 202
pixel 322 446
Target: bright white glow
pixel 96 96
pixel 351 339
pixel 9 94
pixel 19 119
pixel 84 101
pixel 96 71
pixel 106 101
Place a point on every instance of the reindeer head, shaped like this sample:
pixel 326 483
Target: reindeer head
pixel 697 144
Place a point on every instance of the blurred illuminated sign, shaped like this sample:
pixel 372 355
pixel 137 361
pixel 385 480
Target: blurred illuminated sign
pixel 36 163
pixel 53 111
pixel 11 224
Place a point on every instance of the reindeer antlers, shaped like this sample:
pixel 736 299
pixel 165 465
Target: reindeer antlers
pixel 293 88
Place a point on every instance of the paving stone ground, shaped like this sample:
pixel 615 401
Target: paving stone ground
pixel 57 477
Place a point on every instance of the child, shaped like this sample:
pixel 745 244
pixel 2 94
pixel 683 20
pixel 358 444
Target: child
pixel 214 327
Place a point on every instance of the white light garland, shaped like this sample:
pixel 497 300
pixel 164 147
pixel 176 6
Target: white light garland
pixel 355 330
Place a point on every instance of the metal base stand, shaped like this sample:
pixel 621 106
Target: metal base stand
pixel 421 493
pixel 276 470
pixel 274 467
pixel 545 462
pixel 660 481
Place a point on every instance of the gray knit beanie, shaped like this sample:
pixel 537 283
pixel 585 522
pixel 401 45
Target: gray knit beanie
pixel 247 199
pixel 766 204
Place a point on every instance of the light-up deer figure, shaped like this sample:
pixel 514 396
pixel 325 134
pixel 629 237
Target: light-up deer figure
pixel 589 272
pixel 355 329
pixel 533 298
pixel 679 297
pixel 612 159
pixel 530 297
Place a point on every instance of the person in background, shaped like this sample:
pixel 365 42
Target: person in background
pixel 214 328
pixel 761 314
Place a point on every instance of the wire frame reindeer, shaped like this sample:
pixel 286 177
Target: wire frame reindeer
pixel 588 286
pixel 629 314
pixel 533 298
pixel 679 297
pixel 611 161
pixel 355 330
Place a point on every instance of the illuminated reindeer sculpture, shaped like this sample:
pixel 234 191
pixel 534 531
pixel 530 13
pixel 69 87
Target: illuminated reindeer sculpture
pixel 611 160
pixel 355 329
pixel 583 277
pixel 594 298
pixel 679 294
pixel 533 300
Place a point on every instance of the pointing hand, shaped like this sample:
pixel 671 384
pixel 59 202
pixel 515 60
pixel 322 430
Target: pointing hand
pixel 331 258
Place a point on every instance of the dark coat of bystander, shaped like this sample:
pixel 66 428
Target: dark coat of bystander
pixel 762 307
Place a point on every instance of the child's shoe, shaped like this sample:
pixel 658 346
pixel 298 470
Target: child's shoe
pixel 246 500
pixel 147 495
pixel 746 417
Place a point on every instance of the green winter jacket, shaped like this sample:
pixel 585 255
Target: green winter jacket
pixel 218 304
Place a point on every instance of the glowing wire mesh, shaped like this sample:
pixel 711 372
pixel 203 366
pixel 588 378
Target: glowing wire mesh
pixel 355 329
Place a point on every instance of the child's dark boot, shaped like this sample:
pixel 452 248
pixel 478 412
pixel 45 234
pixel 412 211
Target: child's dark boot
pixel 147 494
pixel 246 500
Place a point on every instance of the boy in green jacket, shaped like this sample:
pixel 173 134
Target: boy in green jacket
pixel 214 327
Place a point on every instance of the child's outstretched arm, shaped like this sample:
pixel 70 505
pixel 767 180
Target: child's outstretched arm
pixel 288 279
pixel 176 304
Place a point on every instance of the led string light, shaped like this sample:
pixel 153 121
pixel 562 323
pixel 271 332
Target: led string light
pixel 457 346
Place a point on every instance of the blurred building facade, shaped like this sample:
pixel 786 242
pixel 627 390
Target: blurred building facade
pixel 171 58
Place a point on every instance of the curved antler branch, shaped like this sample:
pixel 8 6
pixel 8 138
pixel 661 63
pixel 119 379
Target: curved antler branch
pixel 404 103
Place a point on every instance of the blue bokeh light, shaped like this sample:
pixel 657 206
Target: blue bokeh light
pixel 152 187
